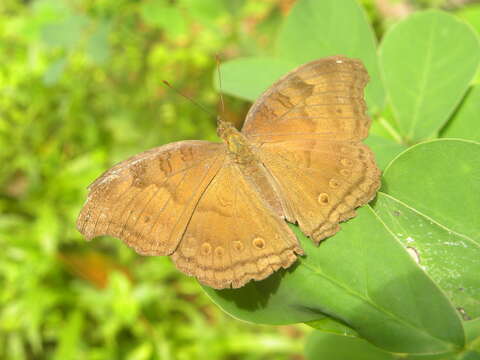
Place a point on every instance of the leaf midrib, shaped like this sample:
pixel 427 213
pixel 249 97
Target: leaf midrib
pixel 423 81
pixel 463 236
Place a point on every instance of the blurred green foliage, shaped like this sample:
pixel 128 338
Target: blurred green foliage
pixel 80 85
pixel 80 89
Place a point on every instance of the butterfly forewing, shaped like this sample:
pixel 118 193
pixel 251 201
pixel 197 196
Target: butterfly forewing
pixel 148 199
pixel 321 99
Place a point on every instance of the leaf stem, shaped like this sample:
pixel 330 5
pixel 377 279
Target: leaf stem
pixel 391 130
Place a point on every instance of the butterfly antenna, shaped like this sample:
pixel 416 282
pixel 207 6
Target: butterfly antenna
pixel 188 98
pixel 217 57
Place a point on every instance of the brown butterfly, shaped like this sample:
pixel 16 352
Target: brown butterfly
pixel 218 209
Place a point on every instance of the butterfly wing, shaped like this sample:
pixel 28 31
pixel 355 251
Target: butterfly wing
pixel 308 127
pixel 148 199
pixel 321 99
pixel 322 181
pixel 233 235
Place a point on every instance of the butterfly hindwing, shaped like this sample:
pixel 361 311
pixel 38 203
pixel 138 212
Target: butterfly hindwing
pixel 233 235
pixel 322 181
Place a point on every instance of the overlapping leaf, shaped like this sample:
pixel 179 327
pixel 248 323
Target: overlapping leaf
pixel 464 123
pixel 428 62
pixel 436 216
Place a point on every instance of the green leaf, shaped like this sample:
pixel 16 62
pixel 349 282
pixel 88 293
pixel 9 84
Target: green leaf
pixel 385 149
pixel 70 337
pixel 450 181
pixel 248 78
pixel 316 29
pixel 54 72
pixel 382 125
pixel 141 352
pixel 436 217
pixel 471 14
pixel 464 123
pixel 205 11
pixel 161 15
pixel 331 326
pixel 472 333
pixel 98 46
pixel 428 61
pixel 471 355
pixel 360 277
pixel 124 305
pixel 322 345
pixel 65 32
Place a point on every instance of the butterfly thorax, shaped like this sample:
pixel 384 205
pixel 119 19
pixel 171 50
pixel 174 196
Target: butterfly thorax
pixel 243 154
pixel 238 146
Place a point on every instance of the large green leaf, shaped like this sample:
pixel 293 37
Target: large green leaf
pixel 248 78
pixel 361 277
pixel 436 216
pixel 428 61
pixel 316 29
pixel 464 124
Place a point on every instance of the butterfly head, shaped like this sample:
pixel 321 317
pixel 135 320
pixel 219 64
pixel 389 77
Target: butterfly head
pixel 222 127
